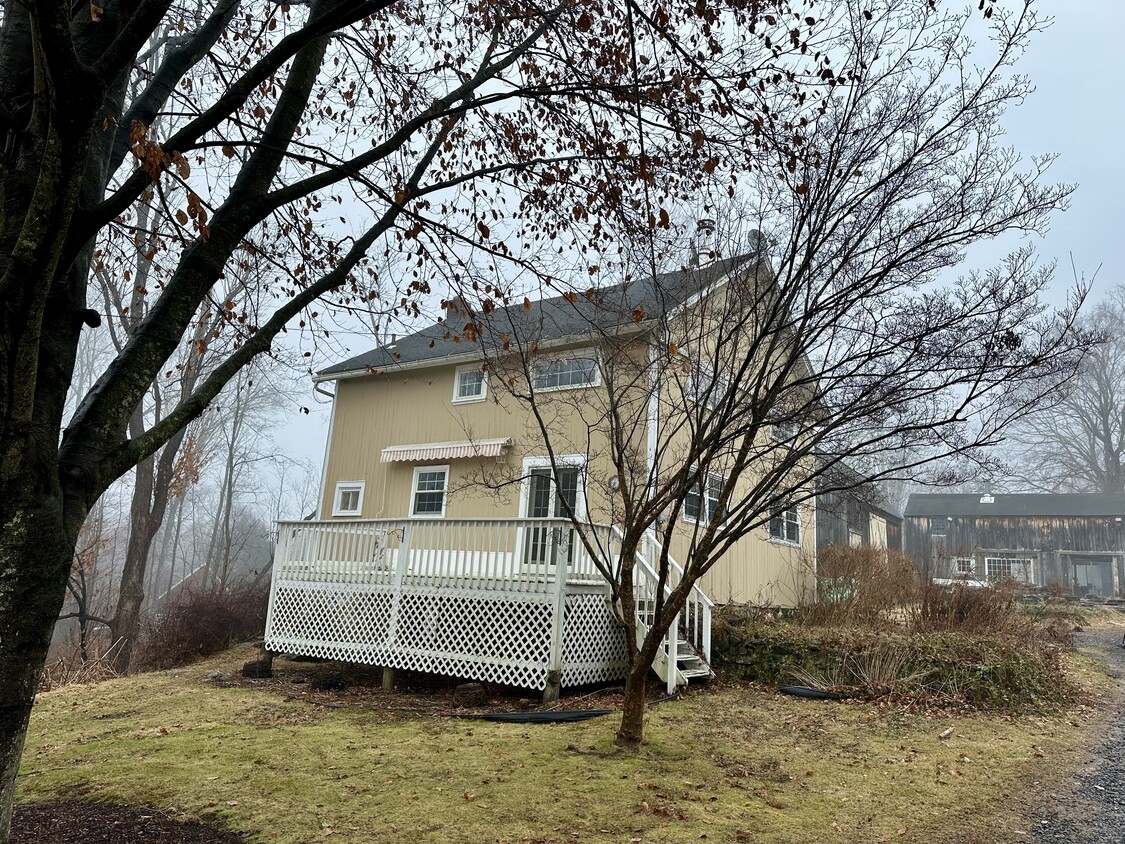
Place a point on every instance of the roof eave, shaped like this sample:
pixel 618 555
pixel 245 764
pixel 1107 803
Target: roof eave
pixel 468 357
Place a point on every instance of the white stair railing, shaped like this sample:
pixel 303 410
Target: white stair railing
pixel 694 621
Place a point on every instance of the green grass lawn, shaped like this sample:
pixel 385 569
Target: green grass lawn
pixel 727 765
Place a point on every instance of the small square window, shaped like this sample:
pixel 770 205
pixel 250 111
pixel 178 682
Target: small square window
pixel 348 500
pixel 707 388
pixel 470 384
pixel 965 565
pixel 427 498
pixel 786 525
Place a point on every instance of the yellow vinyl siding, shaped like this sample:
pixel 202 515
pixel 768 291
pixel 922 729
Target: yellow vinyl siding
pixel 376 411
pixel 415 406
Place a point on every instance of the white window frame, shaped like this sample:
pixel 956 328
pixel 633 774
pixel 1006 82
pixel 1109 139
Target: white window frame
pixel 783 540
pixel 706 503
pixel 348 486
pixel 784 431
pixel 705 384
pixel 959 565
pixel 1030 563
pixel 563 461
pixel 582 354
pixel 414 492
pixel 461 370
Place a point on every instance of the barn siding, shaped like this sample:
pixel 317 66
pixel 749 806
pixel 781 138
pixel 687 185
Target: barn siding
pixel 1052 541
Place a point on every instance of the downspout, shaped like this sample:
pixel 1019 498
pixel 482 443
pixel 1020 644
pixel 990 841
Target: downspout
pixel 327 449
pixel 653 416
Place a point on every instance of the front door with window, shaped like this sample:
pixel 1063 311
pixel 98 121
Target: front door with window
pixel 544 499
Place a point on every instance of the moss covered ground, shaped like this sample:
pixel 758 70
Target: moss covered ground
pixel 729 764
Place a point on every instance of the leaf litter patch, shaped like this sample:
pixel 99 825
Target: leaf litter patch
pixel 91 822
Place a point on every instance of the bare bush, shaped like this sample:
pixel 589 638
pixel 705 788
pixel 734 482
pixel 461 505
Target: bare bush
pixel 200 624
pixel 862 585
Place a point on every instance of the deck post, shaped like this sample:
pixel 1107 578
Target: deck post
pixel 555 663
pixel 402 562
pixel 390 676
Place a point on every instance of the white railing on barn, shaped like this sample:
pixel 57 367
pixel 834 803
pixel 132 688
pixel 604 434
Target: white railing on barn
pixel 516 601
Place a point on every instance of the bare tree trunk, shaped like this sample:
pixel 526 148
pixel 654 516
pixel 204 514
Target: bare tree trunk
pixel 150 502
pixel 36 550
pixel 630 732
pixel 170 550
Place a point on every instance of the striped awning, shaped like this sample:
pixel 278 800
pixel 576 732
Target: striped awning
pixel 444 451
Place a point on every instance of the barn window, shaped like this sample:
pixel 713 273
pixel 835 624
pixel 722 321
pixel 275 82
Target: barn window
pixel 939 527
pixel 1008 568
pixel 964 565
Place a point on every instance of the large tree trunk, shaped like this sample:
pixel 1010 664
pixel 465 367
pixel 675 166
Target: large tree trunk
pixel 36 548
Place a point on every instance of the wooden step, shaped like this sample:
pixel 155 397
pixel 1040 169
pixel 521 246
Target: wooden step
pixel 696 673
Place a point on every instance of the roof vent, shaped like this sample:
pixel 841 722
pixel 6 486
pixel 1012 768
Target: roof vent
pixel 987 499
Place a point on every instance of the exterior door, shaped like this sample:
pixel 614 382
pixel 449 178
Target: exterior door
pixel 545 500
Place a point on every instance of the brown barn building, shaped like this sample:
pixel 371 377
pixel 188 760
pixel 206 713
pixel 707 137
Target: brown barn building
pixel 1075 540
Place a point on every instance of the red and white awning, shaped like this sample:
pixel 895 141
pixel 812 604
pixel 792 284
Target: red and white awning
pixel 444 451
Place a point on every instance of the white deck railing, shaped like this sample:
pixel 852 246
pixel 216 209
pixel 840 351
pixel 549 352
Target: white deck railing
pixel 518 601
pixel 510 555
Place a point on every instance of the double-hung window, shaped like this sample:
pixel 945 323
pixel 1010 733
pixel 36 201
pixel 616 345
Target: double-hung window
pixel 785 525
pixel 702 501
pixel 470 383
pixel 565 373
pixel 707 387
pixel 427 497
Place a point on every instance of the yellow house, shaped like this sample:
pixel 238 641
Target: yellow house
pixel 443 540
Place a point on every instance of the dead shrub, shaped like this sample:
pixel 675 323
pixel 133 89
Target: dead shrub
pixel 863 585
pixel 69 669
pixel 962 608
pixel 199 624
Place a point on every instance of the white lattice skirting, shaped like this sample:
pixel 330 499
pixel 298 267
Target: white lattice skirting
pixel 484 635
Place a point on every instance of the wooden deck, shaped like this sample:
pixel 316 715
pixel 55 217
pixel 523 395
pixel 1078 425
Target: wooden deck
pixel 513 601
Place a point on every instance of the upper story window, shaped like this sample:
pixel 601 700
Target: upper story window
pixel 939 526
pixel 706 387
pixel 565 373
pixel 784 431
pixel 470 383
pixel 427 495
pixel 785 526
pixel 702 503
pixel 348 499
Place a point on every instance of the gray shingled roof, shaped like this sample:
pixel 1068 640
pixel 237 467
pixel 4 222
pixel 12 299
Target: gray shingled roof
pixel 1018 504
pixel 548 319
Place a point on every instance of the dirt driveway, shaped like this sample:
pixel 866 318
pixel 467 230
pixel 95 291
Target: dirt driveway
pixel 1091 808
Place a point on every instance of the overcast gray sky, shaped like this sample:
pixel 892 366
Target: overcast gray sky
pixel 1077 111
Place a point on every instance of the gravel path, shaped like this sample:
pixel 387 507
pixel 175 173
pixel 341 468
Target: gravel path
pixel 1092 810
